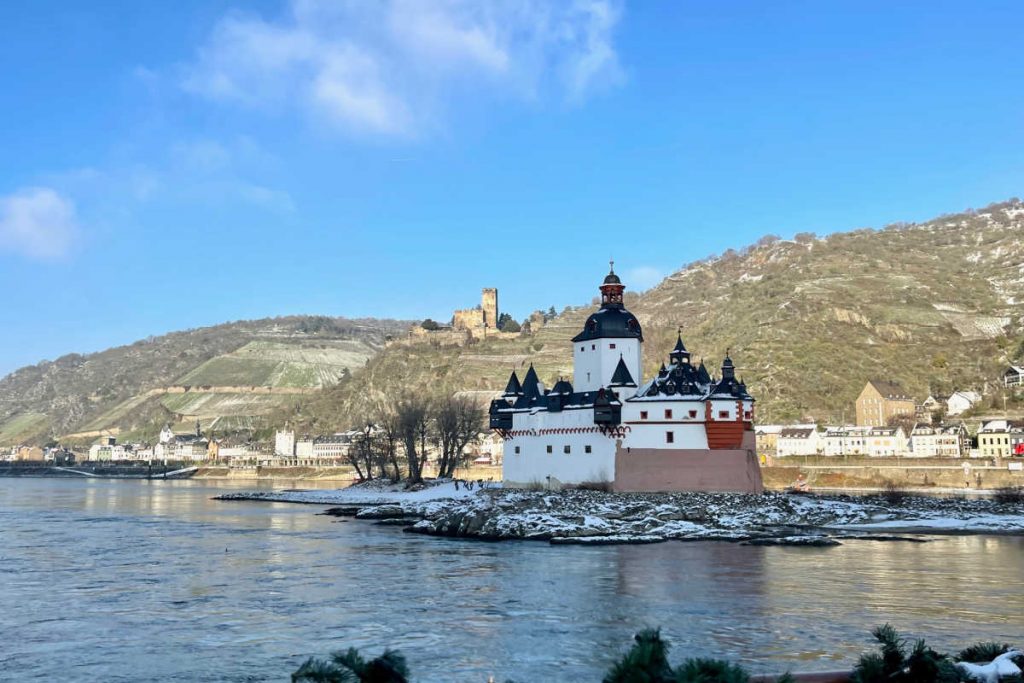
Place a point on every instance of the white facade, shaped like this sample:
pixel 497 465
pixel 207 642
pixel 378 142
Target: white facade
pixel 846 440
pixel 304 447
pixel 284 442
pixel 962 401
pixel 595 361
pixel 938 442
pixel 887 442
pixel 799 441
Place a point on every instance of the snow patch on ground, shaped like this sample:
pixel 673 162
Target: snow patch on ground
pixel 596 517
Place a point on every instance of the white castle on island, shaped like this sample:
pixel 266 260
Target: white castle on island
pixel 682 430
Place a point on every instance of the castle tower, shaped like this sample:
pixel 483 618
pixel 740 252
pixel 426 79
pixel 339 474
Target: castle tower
pixel 610 335
pixel 489 304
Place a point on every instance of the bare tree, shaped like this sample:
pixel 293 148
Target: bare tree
pixel 361 452
pixel 457 422
pixel 412 413
pixel 388 438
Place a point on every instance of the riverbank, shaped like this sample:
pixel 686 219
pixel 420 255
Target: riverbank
pixel 598 518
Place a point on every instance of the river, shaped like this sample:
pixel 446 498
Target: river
pixel 129 580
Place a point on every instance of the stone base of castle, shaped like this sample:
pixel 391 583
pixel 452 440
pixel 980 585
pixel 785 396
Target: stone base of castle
pixel 648 470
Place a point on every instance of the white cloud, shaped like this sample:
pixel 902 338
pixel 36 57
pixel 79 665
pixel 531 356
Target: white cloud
pixel 37 222
pixel 391 67
pixel 642 277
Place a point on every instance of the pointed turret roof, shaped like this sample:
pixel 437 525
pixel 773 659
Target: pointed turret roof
pixel 531 382
pixel 622 377
pixel 513 388
pixel 702 373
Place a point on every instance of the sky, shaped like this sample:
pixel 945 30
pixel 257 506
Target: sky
pixel 171 165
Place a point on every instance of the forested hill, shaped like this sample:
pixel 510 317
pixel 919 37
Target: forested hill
pixel 121 389
pixel 935 306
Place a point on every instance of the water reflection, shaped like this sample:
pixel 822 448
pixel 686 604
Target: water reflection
pixel 129 580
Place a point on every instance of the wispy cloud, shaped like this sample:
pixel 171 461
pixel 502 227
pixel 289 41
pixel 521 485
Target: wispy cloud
pixel 391 67
pixel 38 223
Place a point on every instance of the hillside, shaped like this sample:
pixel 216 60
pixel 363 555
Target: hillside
pixel 227 376
pixel 937 305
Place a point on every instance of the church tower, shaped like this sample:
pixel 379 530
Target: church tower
pixel 610 334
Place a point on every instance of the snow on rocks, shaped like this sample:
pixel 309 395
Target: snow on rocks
pixel 593 517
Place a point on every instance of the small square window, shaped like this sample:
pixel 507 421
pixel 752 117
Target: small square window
pixel 723 413
pixel 549 449
pixel 517 450
pixel 593 346
pixel 587 449
pixel 583 348
pixel 643 414
pixel 668 415
pixel 611 346
pixel 670 437
pixel 693 413
pixel 566 449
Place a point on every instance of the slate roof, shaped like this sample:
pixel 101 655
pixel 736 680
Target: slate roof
pixel 890 390
pixel 622 377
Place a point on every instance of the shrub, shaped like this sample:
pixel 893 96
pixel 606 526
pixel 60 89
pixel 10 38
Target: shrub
pixel 1008 495
pixel 710 671
pixel 605 486
pixel 893 493
pixel 350 667
pixel 894 664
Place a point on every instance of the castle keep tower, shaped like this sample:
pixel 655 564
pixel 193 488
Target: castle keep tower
pixel 477 321
pixel 489 304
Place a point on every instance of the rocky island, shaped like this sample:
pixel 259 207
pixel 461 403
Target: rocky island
pixel 597 517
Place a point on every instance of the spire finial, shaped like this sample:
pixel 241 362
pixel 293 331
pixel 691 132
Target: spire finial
pixel 611 265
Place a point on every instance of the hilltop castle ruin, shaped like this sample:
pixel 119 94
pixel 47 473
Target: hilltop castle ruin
pixel 479 318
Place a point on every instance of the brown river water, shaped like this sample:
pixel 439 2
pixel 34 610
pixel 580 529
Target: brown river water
pixel 129 580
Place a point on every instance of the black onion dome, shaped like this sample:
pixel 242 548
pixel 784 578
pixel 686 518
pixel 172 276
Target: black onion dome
pixel 611 322
pixel 612 279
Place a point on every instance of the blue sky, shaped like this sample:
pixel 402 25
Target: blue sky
pixel 173 165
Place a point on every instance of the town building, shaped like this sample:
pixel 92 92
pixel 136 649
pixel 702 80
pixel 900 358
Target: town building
pixel 334 446
pixel 845 440
pixel 766 437
pixel 931 406
pixel 1001 438
pixel 1014 376
pixel 304 447
pixel 799 441
pixel 680 430
pixel 108 450
pixel 28 454
pixel 943 441
pixel 284 442
pixel 191 446
pixel 882 400
pixel 887 442
pixel 962 401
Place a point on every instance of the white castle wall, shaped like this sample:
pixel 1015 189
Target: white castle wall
pixel 534 465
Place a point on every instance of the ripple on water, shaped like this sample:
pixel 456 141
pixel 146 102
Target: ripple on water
pixel 155 581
